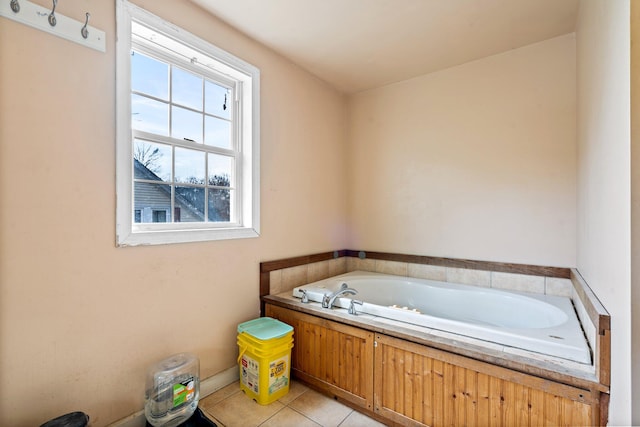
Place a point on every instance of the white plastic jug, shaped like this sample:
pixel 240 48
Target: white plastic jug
pixel 172 390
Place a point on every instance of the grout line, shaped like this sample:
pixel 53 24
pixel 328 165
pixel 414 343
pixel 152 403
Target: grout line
pixel 345 418
pixel 226 398
pixel 545 286
pixel 313 421
pixel 212 418
pixel 274 414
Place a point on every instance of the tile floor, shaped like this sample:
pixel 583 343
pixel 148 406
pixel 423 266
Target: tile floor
pixel 301 407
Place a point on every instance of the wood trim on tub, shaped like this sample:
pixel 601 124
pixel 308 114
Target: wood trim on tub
pixel 532 270
pixel 596 311
pixel 264 289
pixel 600 318
pixel 268 266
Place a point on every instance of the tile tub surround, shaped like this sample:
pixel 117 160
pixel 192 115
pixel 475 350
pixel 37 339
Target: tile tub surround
pixel 286 274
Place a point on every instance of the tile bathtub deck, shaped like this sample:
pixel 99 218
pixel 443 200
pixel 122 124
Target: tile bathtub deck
pixel 301 407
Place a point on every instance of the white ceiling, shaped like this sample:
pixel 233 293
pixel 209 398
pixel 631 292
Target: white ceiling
pixel 356 45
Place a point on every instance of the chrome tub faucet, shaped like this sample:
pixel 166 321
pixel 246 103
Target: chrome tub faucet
pixel 329 299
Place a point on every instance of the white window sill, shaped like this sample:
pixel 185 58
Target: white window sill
pixel 184 236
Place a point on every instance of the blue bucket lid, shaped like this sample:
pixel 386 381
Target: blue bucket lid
pixel 265 328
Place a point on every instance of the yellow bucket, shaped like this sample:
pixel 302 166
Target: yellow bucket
pixel 264 359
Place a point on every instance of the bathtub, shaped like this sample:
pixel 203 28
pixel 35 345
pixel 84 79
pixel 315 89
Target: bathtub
pixel 537 323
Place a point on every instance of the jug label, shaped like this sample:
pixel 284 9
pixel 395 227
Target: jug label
pixel 278 374
pixel 250 373
pixel 184 392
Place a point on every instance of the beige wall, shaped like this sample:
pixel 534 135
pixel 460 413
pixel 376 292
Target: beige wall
pixel 80 320
pixel 635 211
pixel 603 255
pixel 476 161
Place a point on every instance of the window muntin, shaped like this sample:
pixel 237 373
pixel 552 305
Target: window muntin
pixel 193 119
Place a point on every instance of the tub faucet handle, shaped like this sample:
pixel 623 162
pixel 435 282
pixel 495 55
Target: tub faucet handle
pixel 305 297
pixel 325 300
pixel 352 307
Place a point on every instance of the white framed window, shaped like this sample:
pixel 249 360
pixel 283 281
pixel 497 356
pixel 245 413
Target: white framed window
pixel 187 136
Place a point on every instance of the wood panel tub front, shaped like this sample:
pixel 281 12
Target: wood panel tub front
pixel 405 383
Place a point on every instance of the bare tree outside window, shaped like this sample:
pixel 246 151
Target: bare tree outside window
pixel 148 155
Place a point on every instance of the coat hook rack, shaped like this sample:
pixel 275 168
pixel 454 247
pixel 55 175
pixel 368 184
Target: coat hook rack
pixel 52 16
pixel 49 21
pixel 83 31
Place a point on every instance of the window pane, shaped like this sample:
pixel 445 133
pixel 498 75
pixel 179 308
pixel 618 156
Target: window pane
pixel 159 215
pixel 217 100
pixel 151 161
pixel 186 89
pixel 217 132
pixel 149 76
pixel 220 170
pixel 189 166
pixel 219 205
pixel 149 116
pixel 186 124
pixel 150 200
pixel 190 200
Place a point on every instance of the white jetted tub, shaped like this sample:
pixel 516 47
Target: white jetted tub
pixel 539 323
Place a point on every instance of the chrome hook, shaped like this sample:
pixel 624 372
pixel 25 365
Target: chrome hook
pixel 52 15
pixel 84 31
pixel 15 6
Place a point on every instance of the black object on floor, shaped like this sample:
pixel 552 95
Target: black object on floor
pixel 74 419
pixel 198 419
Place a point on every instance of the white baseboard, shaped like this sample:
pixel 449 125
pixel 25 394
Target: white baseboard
pixel 218 381
pixel 207 387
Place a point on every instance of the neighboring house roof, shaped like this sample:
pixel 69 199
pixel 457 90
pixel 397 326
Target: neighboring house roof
pixel 153 195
